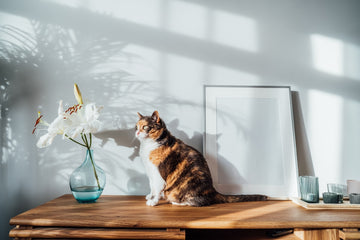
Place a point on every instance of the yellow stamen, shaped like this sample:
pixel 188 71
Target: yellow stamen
pixel 77 94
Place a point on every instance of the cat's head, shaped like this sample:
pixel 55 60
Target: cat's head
pixel 149 126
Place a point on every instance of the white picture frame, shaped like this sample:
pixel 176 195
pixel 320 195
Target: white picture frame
pixel 249 140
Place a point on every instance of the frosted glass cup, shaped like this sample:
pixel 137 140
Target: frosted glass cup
pixel 354 198
pixel 309 188
pixel 337 188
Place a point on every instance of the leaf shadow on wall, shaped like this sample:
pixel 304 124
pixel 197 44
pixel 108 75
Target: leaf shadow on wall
pixel 43 58
pixel 62 56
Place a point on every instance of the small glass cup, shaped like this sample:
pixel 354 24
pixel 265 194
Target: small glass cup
pixel 354 198
pixel 337 188
pixel 309 188
pixel 331 197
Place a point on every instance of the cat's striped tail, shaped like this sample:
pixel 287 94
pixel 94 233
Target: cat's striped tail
pixel 220 198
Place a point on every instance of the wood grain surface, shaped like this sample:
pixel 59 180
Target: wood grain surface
pixel 132 212
pixel 95 233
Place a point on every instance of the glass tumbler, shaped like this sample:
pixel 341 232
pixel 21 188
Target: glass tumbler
pixel 309 188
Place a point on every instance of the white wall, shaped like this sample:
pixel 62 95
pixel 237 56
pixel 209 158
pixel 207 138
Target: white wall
pixel 142 55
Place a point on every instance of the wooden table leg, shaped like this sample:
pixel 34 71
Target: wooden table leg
pixel 317 234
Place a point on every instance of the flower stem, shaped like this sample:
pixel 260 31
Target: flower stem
pixel 75 141
pixel 93 164
pixel 83 137
pixel 90 139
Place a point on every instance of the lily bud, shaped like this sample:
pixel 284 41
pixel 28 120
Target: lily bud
pixel 77 94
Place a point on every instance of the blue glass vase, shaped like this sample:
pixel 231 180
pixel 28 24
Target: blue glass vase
pixel 87 181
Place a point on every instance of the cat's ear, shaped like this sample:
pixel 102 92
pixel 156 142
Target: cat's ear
pixel 155 117
pixel 140 116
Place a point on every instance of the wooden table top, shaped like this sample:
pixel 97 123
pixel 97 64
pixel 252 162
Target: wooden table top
pixel 131 212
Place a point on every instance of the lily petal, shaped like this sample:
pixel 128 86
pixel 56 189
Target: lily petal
pixel 77 94
pixel 60 108
pixel 45 140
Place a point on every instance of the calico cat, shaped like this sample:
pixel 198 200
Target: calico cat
pixel 177 172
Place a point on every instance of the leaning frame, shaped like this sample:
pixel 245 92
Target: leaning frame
pixel 249 140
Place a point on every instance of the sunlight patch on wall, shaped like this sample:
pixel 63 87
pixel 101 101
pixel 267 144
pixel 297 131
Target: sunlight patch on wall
pixel 228 76
pixel 13 38
pixel 214 25
pixel 72 3
pixel 325 133
pixel 184 86
pixel 352 61
pixel 138 86
pixel 336 57
pixel 144 12
pixel 182 17
pixel 9 144
pixel 351 140
pixel 185 77
pixel 186 18
pixel 328 54
pixel 143 62
pixel 235 31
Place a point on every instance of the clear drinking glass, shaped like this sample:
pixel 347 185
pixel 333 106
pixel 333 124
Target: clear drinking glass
pixel 309 188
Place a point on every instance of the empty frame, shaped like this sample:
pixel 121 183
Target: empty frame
pixel 249 140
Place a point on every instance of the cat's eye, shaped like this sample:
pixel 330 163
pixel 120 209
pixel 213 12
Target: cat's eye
pixel 146 127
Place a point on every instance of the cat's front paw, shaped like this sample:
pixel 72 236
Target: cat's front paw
pixel 152 202
pixel 149 196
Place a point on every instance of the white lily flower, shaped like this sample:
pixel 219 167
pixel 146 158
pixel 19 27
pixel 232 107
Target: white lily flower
pixel 58 126
pixel 78 119
pixel 84 120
